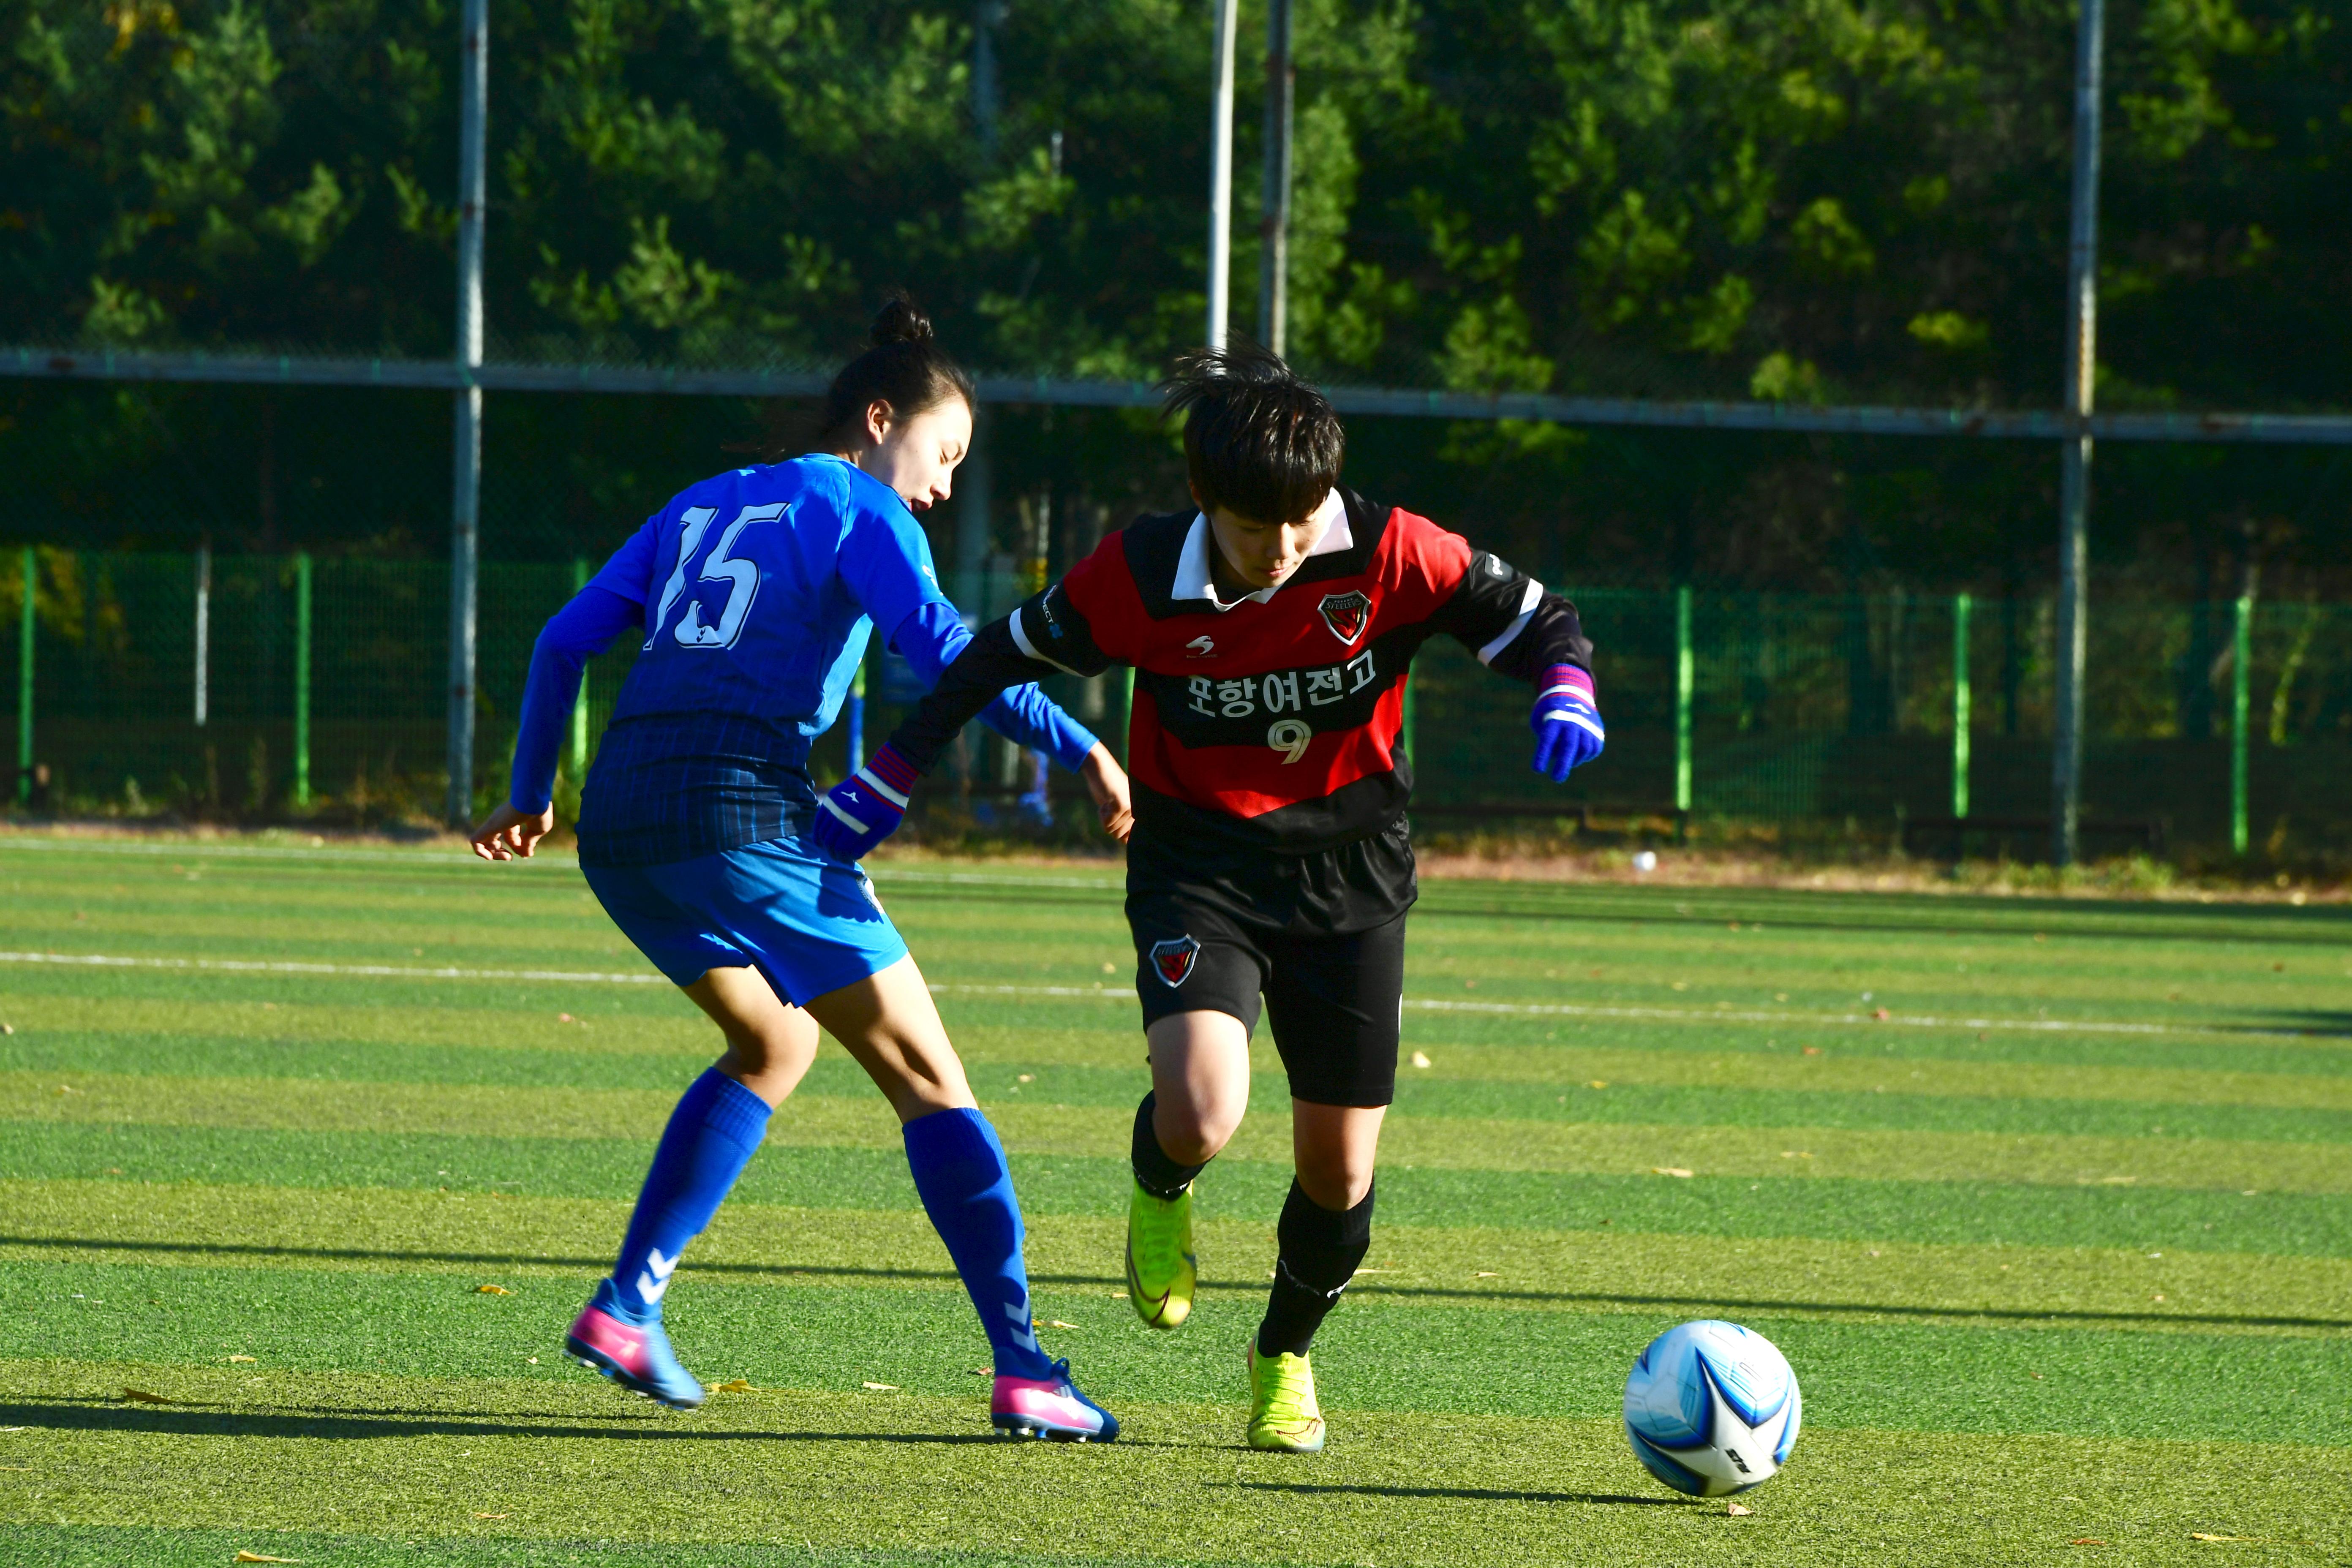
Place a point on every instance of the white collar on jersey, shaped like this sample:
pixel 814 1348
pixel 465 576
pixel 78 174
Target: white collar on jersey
pixel 1193 580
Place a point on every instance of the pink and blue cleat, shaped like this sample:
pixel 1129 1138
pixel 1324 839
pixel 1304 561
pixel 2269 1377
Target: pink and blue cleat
pixel 1049 1408
pixel 637 1355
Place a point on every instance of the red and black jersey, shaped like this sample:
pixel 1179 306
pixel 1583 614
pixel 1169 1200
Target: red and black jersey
pixel 1270 722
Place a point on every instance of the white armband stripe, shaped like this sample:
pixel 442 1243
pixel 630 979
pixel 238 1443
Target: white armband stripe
pixel 1029 649
pixel 1526 613
pixel 855 825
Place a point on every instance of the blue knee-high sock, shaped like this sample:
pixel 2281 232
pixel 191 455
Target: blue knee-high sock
pixel 711 1135
pixel 967 1189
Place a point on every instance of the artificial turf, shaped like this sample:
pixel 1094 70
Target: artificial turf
pixel 2050 1205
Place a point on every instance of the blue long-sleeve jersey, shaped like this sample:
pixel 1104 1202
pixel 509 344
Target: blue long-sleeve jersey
pixel 757 592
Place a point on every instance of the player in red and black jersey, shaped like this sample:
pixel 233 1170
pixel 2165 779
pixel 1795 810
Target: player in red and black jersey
pixel 1269 854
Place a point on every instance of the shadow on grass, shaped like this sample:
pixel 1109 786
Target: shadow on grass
pixel 1419 1292
pixel 1475 1494
pixel 213 1418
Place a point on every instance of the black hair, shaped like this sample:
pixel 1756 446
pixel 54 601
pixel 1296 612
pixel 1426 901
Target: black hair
pixel 1258 441
pixel 903 367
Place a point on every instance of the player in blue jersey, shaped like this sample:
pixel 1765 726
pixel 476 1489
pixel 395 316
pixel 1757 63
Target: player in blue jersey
pixel 756 593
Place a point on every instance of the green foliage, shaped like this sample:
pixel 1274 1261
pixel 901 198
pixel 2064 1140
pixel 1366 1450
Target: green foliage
pixel 1588 195
pixel 1737 199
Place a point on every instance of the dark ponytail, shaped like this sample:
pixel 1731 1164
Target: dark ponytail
pixel 904 367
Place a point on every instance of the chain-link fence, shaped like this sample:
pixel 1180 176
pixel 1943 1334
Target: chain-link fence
pixel 270 687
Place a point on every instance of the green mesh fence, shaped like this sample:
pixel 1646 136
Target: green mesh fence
pixel 1779 709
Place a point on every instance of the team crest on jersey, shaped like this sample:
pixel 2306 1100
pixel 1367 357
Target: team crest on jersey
pixel 1175 958
pixel 1347 614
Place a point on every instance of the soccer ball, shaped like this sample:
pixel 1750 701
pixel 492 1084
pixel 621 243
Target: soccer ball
pixel 1711 1408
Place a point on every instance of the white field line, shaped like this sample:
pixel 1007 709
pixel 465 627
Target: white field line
pixel 1122 993
pixel 447 857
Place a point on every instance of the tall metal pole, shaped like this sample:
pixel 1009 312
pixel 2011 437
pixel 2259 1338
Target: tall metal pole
pixel 1221 174
pixel 974 476
pixel 302 679
pixel 1961 706
pixel 466 494
pixel 1273 250
pixel 203 633
pixel 29 565
pixel 2075 474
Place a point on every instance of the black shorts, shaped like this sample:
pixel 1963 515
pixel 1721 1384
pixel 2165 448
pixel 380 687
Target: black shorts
pixel 1334 988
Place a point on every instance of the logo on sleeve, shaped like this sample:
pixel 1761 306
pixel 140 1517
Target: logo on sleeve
pixel 1173 960
pixel 1346 614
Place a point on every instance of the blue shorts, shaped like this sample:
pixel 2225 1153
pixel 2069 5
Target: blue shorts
pixel 785 908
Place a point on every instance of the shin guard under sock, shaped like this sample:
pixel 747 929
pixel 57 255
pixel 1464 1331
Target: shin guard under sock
pixel 1321 1249
pixel 1155 1173
pixel 967 1189
pixel 711 1137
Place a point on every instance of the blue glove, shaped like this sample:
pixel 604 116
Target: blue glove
pixel 865 808
pixel 1567 725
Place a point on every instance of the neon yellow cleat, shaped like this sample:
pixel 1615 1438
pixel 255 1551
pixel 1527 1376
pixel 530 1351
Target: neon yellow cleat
pixel 1161 1273
pixel 1284 1416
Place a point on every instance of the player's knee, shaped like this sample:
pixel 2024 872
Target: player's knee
pixel 1334 1179
pixel 1194 1135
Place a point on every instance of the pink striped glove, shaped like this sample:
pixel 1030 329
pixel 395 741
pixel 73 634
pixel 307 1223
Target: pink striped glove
pixel 1567 724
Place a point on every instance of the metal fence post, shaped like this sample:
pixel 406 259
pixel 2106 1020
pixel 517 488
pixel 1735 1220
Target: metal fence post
pixel 1273 226
pixel 1961 605
pixel 466 499
pixel 580 703
pixel 25 682
pixel 2241 692
pixel 857 706
pixel 302 679
pixel 1682 682
pixel 1126 711
pixel 2074 470
pixel 204 634
pixel 1220 172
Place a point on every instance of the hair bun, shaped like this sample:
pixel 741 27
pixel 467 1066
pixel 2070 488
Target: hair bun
pixel 899 321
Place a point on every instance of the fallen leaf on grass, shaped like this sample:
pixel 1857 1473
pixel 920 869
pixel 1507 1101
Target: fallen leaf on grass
pixel 7 1028
pixel 1597 1083
pixel 883 1387
pixel 1484 1274
pixel 1421 1059
pixel 240 1358
pixel 1669 1171
pixel 140 1396
pixel 16 1467
pixel 2208 1535
pixel 1057 1323
pixel 1738 1509
pixel 258 1557
pixel 737 1385
pixel 492 1291
pixel 1882 1014
pixel 2087 1540
pixel 1813 1050
pixel 491 1516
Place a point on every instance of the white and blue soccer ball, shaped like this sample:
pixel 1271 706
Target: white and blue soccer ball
pixel 1712 1408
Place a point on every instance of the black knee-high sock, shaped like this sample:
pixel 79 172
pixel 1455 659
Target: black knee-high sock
pixel 1321 1249
pixel 1154 1171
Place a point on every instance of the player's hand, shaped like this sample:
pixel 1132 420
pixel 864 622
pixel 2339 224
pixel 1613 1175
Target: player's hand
pixel 507 833
pixel 865 808
pixel 1567 725
pixel 1107 782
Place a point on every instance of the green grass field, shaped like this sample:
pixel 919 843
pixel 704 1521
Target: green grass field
pixel 2050 1205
